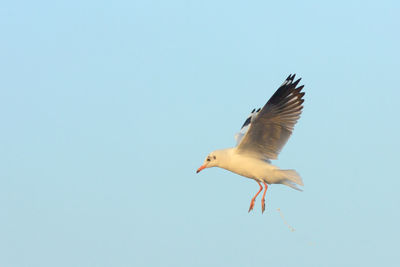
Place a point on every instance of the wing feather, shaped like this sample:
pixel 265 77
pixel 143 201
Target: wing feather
pixel 246 125
pixel 271 128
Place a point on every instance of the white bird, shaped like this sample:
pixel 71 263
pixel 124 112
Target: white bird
pixel 261 138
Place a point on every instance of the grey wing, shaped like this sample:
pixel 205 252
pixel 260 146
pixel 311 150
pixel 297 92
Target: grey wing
pixel 271 129
pixel 246 125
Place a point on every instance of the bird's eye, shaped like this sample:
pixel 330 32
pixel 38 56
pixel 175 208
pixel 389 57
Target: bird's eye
pixel 208 159
pixel 215 157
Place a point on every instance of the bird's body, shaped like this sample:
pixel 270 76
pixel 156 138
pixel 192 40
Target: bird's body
pixel 255 168
pixel 245 165
pixel 263 135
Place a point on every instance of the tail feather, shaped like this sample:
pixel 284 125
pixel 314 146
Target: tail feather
pixel 291 178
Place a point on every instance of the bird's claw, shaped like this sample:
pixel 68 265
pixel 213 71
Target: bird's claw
pixel 251 206
pixel 263 206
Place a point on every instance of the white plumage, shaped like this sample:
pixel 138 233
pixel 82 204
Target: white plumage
pixel 260 140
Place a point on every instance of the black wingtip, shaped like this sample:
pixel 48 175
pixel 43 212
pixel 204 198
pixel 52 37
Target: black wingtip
pixel 253 110
pixel 300 88
pixel 296 82
pixel 291 77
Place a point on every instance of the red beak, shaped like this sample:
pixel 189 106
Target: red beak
pixel 201 168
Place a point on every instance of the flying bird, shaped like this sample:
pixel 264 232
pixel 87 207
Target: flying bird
pixel 261 138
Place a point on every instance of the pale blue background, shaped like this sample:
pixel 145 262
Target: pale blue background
pixel 108 108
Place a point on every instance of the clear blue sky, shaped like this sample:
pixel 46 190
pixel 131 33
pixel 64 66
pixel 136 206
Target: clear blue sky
pixel 108 108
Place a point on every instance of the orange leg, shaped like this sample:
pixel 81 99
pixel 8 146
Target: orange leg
pixel 263 198
pixel 254 198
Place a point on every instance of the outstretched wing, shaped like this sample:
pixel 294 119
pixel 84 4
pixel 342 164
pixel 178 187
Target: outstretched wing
pixel 272 127
pixel 246 125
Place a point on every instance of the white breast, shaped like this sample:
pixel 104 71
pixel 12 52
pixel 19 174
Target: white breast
pixel 249 167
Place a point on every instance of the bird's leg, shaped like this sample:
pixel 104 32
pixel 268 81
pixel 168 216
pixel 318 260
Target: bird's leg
pixel 254 198
pixel 263 197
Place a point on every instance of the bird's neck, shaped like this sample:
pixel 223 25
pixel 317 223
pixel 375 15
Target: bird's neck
pixel 225 156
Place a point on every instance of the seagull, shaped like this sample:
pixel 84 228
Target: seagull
pixel 261 138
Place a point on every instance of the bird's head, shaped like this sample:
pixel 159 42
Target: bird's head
pixel 212 160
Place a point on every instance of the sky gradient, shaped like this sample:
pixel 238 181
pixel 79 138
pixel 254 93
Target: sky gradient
pixel 108 108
